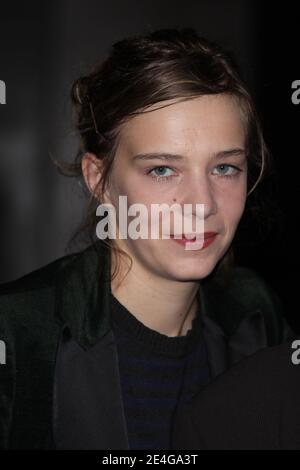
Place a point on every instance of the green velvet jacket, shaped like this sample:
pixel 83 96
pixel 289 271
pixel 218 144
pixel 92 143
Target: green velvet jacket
pixel 72 294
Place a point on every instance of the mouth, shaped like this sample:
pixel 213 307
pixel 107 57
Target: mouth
pixel 192 237
pixel 205 240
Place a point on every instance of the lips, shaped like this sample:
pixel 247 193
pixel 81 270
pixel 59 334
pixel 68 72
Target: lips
pixel 206 235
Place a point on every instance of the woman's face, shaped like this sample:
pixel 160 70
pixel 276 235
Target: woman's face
pixel 207 133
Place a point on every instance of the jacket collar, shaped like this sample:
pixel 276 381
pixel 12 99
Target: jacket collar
pixel 82 295
pixel 233 328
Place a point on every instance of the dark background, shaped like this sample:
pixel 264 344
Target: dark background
pixel 44 46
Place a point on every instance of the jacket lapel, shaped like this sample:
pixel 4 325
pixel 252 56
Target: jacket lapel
pixel 88 408
pixel 88 411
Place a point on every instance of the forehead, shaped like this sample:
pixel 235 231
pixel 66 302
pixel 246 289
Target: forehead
pixel 208 122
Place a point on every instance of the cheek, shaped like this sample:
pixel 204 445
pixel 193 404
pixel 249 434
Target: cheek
pixel 126 184
pixel 136 194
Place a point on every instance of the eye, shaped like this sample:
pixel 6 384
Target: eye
pixel 228 171
pixel 159 173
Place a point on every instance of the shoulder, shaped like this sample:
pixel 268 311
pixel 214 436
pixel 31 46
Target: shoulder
pixel 252 287
pixel 242 292
pixel 248 286
pixel 31 298
pixel 43 277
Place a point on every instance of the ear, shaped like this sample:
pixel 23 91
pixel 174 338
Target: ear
pixel 92 169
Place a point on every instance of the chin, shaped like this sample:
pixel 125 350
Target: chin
pixel 193 271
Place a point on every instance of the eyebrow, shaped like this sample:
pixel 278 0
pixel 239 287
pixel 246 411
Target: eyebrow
pixel 177 157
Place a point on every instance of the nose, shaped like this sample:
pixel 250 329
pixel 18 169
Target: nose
pixel 198 190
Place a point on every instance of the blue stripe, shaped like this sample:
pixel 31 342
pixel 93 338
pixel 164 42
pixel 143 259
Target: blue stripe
pixel 150 401
pixel 133 379
pixel 133 361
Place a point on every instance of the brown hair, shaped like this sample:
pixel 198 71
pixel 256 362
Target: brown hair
pixel 141 71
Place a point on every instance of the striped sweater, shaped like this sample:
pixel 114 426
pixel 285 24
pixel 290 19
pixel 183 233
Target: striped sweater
pixel 157 373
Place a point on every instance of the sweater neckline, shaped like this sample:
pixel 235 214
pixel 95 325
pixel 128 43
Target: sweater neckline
pixel 133 328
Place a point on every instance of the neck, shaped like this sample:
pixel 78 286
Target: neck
pixel 164 305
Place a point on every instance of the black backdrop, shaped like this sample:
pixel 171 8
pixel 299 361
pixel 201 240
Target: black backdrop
pixel 45 45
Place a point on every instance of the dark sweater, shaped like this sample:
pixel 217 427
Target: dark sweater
pixel 157 374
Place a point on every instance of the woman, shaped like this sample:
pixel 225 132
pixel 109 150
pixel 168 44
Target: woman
pixel 100 352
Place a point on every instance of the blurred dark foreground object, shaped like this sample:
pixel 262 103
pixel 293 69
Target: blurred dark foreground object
pixel 254 405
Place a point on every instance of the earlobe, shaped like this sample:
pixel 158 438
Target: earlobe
pixel 91 171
